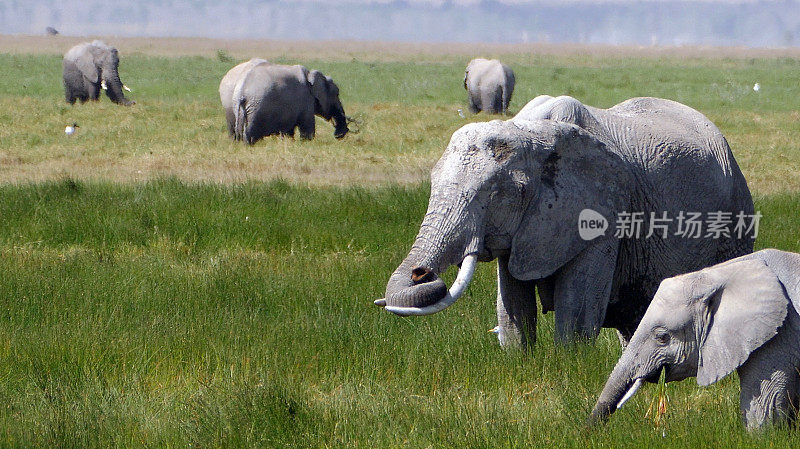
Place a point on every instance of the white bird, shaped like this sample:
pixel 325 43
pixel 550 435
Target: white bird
pixel 756 87
pixel 495 330
pixel 461 114
pixel 70 129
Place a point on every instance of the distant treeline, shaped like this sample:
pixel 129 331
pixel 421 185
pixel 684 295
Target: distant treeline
pixel 756 24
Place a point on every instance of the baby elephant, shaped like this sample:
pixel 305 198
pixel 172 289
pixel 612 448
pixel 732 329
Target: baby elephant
pixel 268 99
pixel 741 314
pixel 489 85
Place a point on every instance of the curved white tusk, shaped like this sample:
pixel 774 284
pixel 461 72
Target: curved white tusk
pixel 126 88
pixel 631 391
pixel 103 85
pixel 456 290
pixel 380 302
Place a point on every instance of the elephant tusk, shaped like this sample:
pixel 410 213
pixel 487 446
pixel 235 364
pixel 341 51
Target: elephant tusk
pixel 380 302
pixel 103 85
pixel 127 88
pixel 456 290
pixel 631 391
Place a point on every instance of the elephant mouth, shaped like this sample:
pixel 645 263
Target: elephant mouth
pixel 635 384
pixel 425 293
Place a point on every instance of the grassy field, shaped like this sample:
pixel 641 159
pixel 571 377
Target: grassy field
pixel 165 287
pixel 408 109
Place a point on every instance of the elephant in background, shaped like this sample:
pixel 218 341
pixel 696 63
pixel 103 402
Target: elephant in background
pixel 270 99
pixel 90 67
pixel 489 84
pixel 742 315
pixel 514 191
pixel 227 86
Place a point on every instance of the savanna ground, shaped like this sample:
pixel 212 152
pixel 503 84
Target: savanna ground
pixel 163 286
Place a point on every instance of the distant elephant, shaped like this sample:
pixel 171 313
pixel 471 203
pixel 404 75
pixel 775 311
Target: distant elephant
pixel 274 99
pixel 89 67
pixel 227 86
pixel 515 191
pixel 489 84
pixel 742 315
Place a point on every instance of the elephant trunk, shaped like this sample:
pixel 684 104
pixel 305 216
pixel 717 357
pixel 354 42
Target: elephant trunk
pixel 114 87
pixel 415 287
pixel 620 386
pixel 425 294
pixel 340 122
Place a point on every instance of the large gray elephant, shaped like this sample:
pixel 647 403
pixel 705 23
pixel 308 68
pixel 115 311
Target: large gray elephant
pixel 274 99
pixel 489 84
pixel 90 67
pixel 515 190
pixel 739 315
pixel 227 86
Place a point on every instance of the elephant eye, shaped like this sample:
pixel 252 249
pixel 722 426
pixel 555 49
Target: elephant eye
pixel 662 336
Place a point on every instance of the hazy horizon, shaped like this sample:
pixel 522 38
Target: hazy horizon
pixel 748 23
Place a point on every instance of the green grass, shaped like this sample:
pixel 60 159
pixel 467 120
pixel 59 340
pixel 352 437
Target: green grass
pixel 170 314
pixel 163 286
pixel 409 110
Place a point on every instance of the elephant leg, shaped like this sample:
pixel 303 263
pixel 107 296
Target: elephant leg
pixel 307 126
pixel 92 89
pixel 257 123
pixel 545 289
pixel 497 101
pixel 230 120
pixel 767 397
pixel 253 133
pixel 582 289
pixel 770 380
pixel 516 308
pixel 474 106
pixel 69 95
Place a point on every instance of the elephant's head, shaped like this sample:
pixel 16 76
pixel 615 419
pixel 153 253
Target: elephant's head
pixel 106 59
pixel 511 189
pixel 326 101
pixel 703 324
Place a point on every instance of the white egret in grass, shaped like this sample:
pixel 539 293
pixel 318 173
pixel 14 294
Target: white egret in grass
pixel 70 129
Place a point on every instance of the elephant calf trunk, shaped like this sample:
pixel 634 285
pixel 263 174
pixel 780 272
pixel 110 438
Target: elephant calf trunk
pixel 620 387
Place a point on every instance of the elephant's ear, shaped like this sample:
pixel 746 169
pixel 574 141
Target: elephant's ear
pixel 88 66
pixel 741 305
pixel 575 172
pixel 319 89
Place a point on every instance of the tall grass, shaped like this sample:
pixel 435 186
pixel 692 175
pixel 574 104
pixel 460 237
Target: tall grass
pixel 172 314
